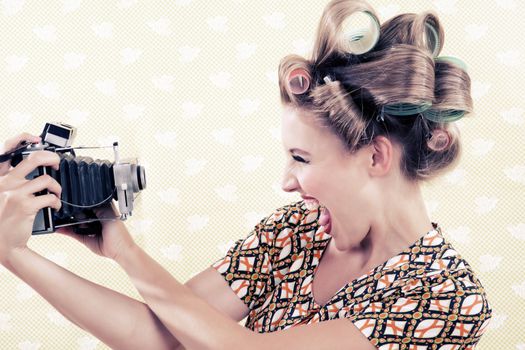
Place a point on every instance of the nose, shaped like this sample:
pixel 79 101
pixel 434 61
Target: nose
pixel 289 182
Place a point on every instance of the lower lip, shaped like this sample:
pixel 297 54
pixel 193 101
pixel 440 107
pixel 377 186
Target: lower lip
pixel 329 229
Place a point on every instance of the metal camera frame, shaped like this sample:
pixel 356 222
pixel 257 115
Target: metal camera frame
pixel 58 137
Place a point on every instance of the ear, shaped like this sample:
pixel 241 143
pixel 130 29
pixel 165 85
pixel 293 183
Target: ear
pixel 383 155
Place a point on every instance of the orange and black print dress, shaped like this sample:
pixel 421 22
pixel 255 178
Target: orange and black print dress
pixel 426 297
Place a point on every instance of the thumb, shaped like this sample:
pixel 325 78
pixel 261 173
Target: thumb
pixel 67 231
pixel 90 242
pixel 107 211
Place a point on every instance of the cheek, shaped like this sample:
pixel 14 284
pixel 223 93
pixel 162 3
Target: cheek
pixel 341 184
pixel 315 182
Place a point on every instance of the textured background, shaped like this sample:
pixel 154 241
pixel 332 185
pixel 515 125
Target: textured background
pixel 190 88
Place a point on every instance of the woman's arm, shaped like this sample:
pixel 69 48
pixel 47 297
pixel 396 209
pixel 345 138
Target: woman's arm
pixel 117 320
pixel 197 325
pixel 193 321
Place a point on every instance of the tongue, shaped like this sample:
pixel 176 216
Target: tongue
pixel 324 219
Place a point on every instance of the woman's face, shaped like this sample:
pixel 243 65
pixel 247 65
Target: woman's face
pixel 318 166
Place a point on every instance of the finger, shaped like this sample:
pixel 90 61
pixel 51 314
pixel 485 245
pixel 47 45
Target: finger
pixel 34 160
pixel 13 143
pixel 44 201
pixel 40 183
pixel 114 208
pixel 107 211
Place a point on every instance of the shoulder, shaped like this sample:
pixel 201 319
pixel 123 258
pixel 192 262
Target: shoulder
pixel 275 230
pixel 292 214
pixel 445 293
pixel 434 266
pixel 249 263
pixel 286 221
pixel 448 306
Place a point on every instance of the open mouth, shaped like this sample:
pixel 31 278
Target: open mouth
pixel 324 218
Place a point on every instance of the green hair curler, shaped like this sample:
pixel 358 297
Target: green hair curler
pixel 454 60
pixel 404 109
pixel 447 115
pixel 359 32
pixel 434 39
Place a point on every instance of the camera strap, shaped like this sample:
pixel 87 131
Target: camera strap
pixel 10 155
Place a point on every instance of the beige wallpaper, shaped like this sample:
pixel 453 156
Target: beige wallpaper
pixel 190 88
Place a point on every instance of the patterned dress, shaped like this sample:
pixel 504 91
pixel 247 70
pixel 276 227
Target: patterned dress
pixel 425 297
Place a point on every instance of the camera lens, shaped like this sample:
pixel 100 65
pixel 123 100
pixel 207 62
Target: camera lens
pixel 141 177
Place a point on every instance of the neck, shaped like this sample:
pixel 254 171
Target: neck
pixel 399 219
pixel 402 221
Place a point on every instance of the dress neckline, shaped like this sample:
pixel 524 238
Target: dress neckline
pixel 374 270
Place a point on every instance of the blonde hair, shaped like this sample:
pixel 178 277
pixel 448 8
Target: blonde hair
pixel 401 68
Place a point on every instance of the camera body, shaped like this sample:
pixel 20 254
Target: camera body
pixel 86 183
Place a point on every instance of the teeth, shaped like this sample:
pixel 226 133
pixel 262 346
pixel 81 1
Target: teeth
pixel 311 204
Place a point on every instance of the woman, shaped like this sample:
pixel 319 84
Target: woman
pixel 357 264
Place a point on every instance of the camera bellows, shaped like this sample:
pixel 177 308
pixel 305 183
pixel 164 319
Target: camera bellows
pixel 86 183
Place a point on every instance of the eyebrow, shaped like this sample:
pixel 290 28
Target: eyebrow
pixel 298 150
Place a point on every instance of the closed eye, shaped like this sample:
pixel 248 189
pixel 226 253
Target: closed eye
pixel 299 159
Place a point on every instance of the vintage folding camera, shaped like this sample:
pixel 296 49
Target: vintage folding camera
pixel 87 183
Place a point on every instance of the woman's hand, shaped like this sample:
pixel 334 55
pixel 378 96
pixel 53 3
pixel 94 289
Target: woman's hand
pixel 18 203
pixel 12 144
pixel 112 242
